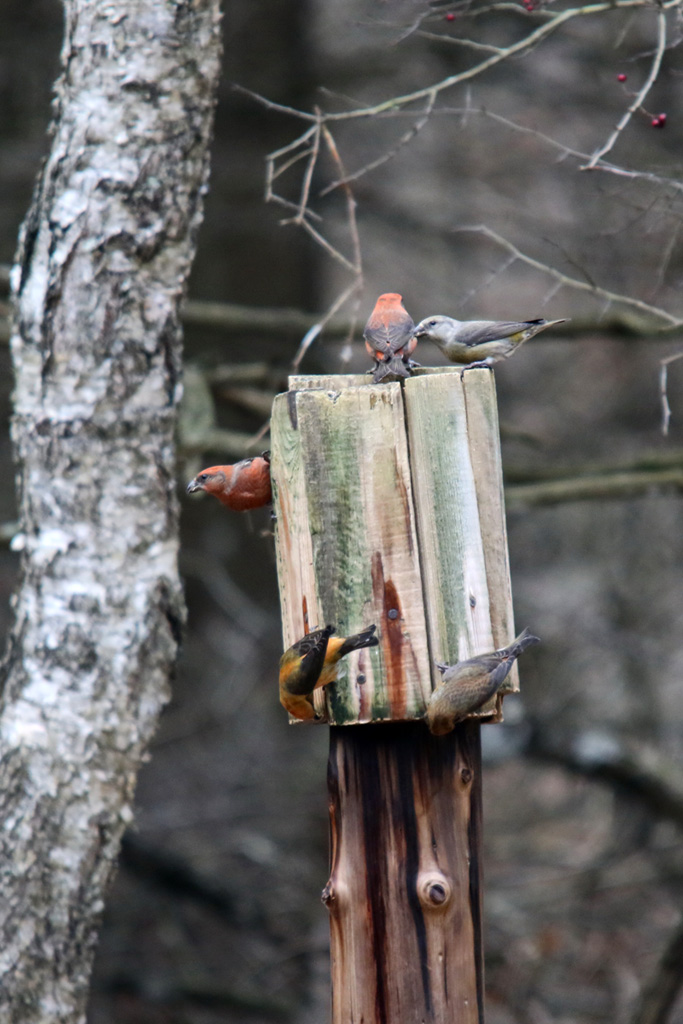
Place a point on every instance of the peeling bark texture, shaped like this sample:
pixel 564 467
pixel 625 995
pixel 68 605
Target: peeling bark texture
pixel 103 257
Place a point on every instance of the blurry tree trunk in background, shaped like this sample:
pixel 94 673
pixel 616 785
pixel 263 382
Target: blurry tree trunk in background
pixel 103 257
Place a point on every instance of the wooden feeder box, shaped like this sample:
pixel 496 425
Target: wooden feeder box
pixel 389 510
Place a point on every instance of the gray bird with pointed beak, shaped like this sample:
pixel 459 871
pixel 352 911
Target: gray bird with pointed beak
pixel 479 342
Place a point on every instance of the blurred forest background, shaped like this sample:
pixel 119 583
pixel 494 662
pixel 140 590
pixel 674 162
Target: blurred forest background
pixel 215 916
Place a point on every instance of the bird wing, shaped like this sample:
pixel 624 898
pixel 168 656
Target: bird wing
pixel 500 673
pixel 311 649
pixel 312 641
pixel 478 332
pixel 388 335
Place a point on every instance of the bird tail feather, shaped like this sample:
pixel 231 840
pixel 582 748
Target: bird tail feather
pixel 394 366
pixel 521 642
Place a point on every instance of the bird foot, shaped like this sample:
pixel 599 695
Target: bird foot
pixel 475 366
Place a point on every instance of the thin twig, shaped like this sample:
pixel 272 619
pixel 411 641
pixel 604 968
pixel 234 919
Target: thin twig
pixel 572 282
pixel 640 96
pixel 271 105
pixel 389 154
pixel 664 389
pixel 563 149
pixel 308 173
pixel 350 201
pixel 323 243
pixel 660 992
pixel 284 150
pixel 315 330
pixel 529 41
pixel 470 44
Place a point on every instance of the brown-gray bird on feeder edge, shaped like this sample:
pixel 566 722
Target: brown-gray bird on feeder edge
pixel 469 684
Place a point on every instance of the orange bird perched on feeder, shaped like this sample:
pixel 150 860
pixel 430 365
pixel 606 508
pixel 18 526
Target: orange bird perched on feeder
pixel 390 338
pixel 312 662
pixel 243 486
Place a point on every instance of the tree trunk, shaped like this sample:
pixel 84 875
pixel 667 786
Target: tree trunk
pixel 103 257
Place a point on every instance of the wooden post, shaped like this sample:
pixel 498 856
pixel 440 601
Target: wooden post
pixel 389 509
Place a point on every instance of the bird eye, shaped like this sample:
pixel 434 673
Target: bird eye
pixel 432 323
pixel 202 477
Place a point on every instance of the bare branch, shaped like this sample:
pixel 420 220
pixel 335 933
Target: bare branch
pixel 278 320
pixel 390 153
pixel 593 488
pixel 313 333
pixel 640 96
pixel 470 44
pixel 227 442
pixel 660 992
pixel 663 389
pixel 653 460
pixel 572 282
pixel 636 768
pixel 251 319
pixel 350 201
pixel 563 149
pixel 270 105
pixel 551 25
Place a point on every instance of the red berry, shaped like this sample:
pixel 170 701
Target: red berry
pixel 622 77
pixel 662 119
pixel 656 123
pixel 450 16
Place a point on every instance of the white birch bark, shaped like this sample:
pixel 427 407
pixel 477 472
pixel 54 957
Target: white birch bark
pixel 103 257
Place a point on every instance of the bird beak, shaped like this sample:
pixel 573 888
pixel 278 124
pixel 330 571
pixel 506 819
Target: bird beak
pixel 194 486
pixel 419 333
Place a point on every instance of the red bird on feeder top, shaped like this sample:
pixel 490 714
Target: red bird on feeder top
pixel 243 486
pixel 390 338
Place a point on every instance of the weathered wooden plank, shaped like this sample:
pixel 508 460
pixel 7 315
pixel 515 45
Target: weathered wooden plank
pixel 483 438
pixel 293 542
pixel 342 479
pixel 453 471
pixel 404 890
pixel 328 382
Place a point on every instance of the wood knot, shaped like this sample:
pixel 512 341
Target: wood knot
pixel 335 895
pixel 434 891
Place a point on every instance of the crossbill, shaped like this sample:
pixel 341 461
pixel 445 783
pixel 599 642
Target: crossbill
pixel 479 342
pixel 390 338
pixel 243 486
pixel 469 684
pixel 313 662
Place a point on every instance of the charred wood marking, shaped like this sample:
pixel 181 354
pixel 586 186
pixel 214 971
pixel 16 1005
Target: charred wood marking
pixel 391 637
pixel 404 887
